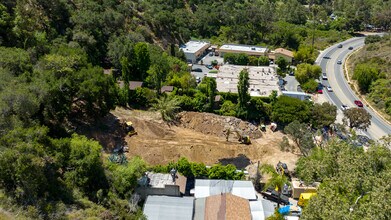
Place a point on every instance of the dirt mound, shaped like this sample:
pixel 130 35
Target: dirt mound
pixel 217 125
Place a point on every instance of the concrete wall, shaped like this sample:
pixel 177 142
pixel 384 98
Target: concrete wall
pixel 168 190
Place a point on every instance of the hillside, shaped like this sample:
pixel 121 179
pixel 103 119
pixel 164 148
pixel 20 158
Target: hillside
pixel 370 69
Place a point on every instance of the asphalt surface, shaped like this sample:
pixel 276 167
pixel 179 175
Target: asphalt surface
pixel 342 93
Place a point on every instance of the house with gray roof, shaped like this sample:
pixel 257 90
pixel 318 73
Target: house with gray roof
pixel 168 208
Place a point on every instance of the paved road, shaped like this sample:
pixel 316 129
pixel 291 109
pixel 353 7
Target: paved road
pixel 342 93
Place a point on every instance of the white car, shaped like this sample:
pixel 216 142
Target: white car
pixel 329 89
pixel 344 107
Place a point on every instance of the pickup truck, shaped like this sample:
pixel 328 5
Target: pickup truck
pixel 272 195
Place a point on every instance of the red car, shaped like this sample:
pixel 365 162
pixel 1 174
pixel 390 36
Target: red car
pixel 320 91
pixel 358 103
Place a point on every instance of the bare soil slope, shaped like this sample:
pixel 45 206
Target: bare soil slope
pixel 200 137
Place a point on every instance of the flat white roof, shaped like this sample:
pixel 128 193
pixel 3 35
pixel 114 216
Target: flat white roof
pixel 243 48
pixel 263 79
pixel 194 46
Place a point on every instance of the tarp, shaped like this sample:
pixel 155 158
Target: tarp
pixel 284 210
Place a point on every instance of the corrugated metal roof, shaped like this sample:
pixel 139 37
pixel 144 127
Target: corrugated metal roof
pixel 205 188
pixel 168 208
pixel 261 209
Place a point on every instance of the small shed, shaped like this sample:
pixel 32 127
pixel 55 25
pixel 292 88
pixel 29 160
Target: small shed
pixel 133 85
pixel 166 89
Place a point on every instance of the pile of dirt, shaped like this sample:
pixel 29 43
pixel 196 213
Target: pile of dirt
pixel 217 125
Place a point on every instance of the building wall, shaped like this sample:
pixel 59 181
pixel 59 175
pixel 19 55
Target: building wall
pixel 287 58
pixel 223 51
pixel 168 190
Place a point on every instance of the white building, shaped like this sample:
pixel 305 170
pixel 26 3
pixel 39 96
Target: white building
pixel 194 50
pixel 246 49
pixel 263 79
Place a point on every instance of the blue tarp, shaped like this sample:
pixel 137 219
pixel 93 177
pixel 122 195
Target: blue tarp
pixel 284 210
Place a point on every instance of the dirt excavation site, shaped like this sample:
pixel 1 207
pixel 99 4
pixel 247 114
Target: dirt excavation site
pixel 200 137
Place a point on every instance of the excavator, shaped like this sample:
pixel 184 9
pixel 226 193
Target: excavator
pixel 128 126
pixel 243 139
pixel 282 168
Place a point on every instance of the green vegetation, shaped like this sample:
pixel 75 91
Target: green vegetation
pixel 306 75
pixel 371 68
pixel 354 183
pixel 52 60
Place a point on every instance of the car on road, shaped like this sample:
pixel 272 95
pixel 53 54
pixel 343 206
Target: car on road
pixel 329 89
pixel 340 45
pixel 344 107
pixel 339 62
pixel 197 70
pixel 324 76
pixel 358 103
pixel 350 48
pixel 326 57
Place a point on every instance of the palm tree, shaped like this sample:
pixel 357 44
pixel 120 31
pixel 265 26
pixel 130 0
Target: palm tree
pixel 277 180
pixel 167 106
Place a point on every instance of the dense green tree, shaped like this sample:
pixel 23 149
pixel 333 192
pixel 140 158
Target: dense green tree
pixel 310 86
pixel 125 176
pixel 305 54
pixel 306 72
pixel 301 135
pixel 357 118
pixel 263 61
pixel 353 182
pixel 228 108
pixel 323 114
pixel 227 172
pixel 365 75
pixel 141 53
pixel 282 66
pixel 287 109
pixel 243 94
pixel 16 60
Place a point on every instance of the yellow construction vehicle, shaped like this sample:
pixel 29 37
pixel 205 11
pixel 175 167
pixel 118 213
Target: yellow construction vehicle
pixel 304 198
pixel 128 126
pixel 244 139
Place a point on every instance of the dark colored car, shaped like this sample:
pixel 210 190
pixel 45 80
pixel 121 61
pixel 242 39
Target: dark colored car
pixel 350 48
pixel 340 46
pixel 358 103
pixel 197 70
pixel 209 66
pixel 272 195
pixel 339 62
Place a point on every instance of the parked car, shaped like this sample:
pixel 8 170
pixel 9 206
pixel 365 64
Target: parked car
pixel 329 89
pixel 299 88
pixel 350 48
pixel 340 45
pixel 320 91
pixel 358 103
pixel 209 66
pixel 198 79
pixel 211 54
pixel 324 76
pixel 344 107
pixel 197 70
pixel 216 53
pixel 339 62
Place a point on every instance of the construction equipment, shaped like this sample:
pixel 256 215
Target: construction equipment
pixel 304 198
pixel 128 126
pixel 243 139
pixel 282 168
